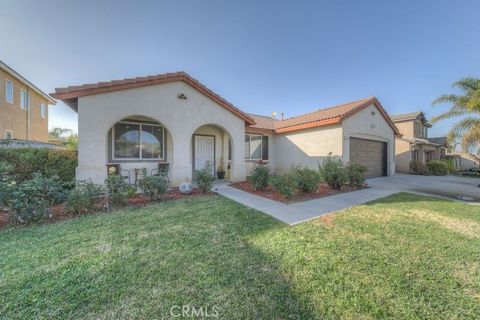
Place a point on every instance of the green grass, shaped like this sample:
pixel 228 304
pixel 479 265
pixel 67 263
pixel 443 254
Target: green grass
pixel 404 256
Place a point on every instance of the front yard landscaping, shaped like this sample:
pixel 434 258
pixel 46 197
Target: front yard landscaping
pixel 405 256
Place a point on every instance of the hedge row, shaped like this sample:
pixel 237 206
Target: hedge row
pixel 24 162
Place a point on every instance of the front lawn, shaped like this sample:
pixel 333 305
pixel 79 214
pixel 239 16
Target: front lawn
pixel 404 256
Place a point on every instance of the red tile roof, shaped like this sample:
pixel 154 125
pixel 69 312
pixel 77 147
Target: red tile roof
pixel 70 94
pixel 321 117
pixel 263 122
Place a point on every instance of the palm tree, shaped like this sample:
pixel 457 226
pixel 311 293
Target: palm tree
pixel 467 105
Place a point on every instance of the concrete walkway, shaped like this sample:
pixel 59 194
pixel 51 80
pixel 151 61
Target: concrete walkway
pixel 301 211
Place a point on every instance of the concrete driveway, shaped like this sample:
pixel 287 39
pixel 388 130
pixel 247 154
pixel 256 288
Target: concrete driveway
pixel 452 187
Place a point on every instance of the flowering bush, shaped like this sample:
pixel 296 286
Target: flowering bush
pixel 203 178
pixel 30 201
pixel 356 175
pixel 83 197
pixel 333 172
pixel 259 176
pixel 118 191
pixel 286 184
pixel 308 179
pixel 153 187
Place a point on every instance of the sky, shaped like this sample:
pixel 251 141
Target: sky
pixel 262 56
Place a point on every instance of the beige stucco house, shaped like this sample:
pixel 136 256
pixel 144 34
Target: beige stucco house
pixel 23 108
pixel 172 118
pixel 413 143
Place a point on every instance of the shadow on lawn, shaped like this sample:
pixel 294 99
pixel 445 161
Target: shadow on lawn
pixel 143 263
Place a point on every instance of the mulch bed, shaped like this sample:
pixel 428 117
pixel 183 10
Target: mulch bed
pixel 324 190
pixel 59 213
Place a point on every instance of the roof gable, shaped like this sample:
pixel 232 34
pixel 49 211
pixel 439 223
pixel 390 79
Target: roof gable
pixel 322 117
pixel 19 77
pixel 71 94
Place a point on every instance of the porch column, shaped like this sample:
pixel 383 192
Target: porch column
pixel 181 163
pixel 238 166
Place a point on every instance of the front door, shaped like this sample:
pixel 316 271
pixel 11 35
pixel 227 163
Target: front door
pixel 204 152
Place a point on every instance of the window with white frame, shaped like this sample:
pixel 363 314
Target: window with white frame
pixel 256 147
pixel 8 134
pixel 133 140
pixel 9 91
pixel 43 110
pixel 23 99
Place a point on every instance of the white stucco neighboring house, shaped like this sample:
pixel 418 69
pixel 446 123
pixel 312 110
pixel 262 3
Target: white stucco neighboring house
pixel 174 120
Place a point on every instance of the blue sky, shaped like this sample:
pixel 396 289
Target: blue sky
pixel 263 56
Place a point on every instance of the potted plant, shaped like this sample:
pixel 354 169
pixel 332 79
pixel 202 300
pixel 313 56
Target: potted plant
pixel 221 169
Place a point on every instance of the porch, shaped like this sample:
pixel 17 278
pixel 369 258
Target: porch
pixel 139 145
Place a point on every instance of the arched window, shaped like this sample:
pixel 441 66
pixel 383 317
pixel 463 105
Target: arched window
pixel 136 140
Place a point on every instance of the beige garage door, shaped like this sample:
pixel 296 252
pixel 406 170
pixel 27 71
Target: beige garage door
pixel 371 154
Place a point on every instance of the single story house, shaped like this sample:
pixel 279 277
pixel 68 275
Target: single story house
pixel 172 118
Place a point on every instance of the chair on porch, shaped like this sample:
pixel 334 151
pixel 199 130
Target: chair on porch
pixel 116 169
pixel 162 171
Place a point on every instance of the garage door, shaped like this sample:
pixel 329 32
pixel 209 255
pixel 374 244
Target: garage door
pixel 372 154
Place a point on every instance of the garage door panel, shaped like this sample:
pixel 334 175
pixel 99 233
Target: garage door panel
pixel 369 153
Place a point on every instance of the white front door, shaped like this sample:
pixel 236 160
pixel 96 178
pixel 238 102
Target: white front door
pixel 204 152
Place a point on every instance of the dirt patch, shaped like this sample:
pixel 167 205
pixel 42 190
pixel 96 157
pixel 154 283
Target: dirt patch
pixel 327 220
pixel 323 190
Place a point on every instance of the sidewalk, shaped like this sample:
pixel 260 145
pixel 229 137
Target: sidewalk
pixel 301 211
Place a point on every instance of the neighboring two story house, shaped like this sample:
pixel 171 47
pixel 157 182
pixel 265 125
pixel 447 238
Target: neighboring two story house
pixel 23 107
pixel 414 143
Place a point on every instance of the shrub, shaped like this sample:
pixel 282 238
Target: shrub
pixel 307 179
pixel 437 167
pixel 259 176
pixel 153 187
pixel 286 184
pixel 5 188
pixel 203 178
pixel 31 199
pixel 332 171
pixel 27 161
pixel 356 175
pixel 118 191
pixel 450 163
pixel 83 197
pixel 417 167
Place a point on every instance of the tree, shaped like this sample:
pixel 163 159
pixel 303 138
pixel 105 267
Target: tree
pixel 60 132
pixel 467 105
pixel 69 138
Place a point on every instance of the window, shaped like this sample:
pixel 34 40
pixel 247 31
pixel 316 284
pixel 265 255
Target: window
pixel 24 99
pixel 43 110
pixel 9 91
pixel 8 134
pixel 418 129
pixel 138 141
pixel 256 147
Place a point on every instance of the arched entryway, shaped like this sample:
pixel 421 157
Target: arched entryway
pixel 212 146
